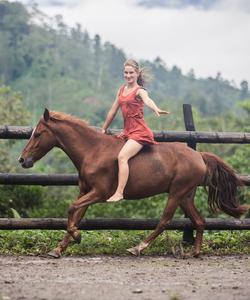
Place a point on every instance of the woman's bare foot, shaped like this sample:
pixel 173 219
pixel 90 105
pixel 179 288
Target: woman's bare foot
pixel 115 198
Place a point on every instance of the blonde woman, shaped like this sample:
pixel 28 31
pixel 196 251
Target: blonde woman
pixel 131 98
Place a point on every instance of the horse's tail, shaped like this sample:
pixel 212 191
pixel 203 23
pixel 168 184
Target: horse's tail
pixel 222 183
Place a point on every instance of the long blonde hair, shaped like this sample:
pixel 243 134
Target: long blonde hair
pixel 143 72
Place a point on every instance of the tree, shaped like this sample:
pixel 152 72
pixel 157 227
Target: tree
pixel 191 74
pixel 12 112
pixel 14 198
pixel 244 93
pixel 14 28
pixel 98 60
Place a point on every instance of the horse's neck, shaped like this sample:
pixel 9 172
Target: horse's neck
pixel 78 142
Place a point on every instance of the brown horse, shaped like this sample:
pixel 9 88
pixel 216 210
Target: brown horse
pixel 173 168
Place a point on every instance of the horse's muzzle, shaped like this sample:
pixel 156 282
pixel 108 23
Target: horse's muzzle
pixel 26 162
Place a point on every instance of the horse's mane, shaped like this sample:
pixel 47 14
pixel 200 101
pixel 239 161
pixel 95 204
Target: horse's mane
pixel 60 116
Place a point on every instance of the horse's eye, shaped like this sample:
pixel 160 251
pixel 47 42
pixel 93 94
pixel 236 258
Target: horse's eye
pixel 37 134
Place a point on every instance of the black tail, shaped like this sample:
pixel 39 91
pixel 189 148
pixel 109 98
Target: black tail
pixel 222 184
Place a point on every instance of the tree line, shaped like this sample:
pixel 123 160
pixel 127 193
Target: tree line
pixel 65 69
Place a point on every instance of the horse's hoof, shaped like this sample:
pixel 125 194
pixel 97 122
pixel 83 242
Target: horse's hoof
pixel 196 254
pixel 187 255
pixel 173 251
pixel 178 252
pixel 135 251
pixel 53 254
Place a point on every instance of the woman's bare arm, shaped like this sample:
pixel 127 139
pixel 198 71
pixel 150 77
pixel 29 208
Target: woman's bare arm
pixel 143 95
pixel 111 114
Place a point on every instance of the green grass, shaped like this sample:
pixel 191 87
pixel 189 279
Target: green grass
pixel 36 242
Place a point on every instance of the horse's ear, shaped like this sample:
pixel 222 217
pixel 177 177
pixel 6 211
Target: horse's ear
pixel 46 115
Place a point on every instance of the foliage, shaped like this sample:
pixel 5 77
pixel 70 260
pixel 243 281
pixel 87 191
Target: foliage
pixel 55 202
pixel 15 214
pixel 12 111
pixel 31 242
pixel 14 58
pixel 20 198
pixel 66 69
pixel 14 199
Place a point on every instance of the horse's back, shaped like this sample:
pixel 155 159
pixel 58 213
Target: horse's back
pixel 157 167
pixel 184 161
pixel 174 153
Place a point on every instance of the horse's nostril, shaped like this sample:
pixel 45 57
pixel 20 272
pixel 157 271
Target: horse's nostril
pixel 21 160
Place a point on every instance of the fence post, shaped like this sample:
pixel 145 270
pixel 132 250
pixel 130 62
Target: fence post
pixel 188 234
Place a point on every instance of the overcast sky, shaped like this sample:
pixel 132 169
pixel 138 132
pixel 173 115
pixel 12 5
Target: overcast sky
pixel 209 36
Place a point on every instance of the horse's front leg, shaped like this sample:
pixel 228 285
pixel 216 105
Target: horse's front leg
pixel 73 213
pixel 63 244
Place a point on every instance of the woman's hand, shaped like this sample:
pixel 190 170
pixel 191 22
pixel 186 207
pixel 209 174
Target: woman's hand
pixel 103 131
pixel 161 112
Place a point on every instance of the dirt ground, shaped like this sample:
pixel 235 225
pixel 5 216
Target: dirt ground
pixel 108 277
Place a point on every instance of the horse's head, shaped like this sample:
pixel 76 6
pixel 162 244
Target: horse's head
pixel 41 142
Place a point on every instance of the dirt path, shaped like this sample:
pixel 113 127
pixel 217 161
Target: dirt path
pixel 106 277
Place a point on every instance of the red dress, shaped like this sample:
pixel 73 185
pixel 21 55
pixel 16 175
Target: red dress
pixel 135 127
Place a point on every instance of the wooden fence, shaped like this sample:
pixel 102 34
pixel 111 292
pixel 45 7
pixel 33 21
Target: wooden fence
pixel 191 137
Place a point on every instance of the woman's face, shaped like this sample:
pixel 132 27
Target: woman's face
pixel 130 75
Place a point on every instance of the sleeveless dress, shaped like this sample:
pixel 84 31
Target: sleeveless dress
pixel 135 127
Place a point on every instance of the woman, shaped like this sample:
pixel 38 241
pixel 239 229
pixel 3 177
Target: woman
pixel 131 98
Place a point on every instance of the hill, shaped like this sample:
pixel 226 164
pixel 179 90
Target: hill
pixel 65 69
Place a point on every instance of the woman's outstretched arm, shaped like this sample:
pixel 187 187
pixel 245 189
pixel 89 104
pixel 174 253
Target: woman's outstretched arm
pixel 143 95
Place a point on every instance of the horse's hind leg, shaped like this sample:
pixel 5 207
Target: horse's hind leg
pixel 172 204
pixel 188 207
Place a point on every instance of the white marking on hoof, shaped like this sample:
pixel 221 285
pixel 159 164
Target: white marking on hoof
pixel 138 249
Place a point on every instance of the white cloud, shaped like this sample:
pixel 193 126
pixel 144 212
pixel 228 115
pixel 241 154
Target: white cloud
pixel 202 4
pixel 209 41
pixel 232 5
pixel 241 5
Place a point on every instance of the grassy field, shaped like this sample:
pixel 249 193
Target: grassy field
pixel 37 242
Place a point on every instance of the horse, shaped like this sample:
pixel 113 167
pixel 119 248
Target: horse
pixel 172 168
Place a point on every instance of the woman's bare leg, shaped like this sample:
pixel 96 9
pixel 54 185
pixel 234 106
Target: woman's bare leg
pixel 130 149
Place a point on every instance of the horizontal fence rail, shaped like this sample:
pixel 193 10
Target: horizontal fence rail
pixel 24 132
pixel 60 179
pixel 121 224
pixel 39 179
